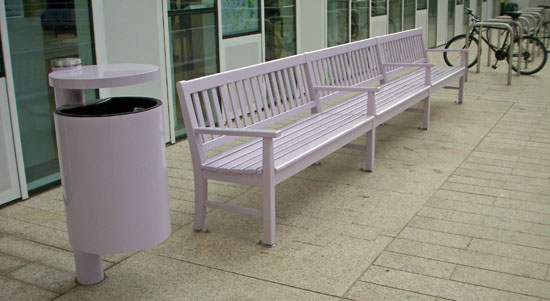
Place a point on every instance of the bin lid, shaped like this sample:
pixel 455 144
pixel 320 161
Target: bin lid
pixel 112 106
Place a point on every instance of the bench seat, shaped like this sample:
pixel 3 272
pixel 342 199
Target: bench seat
pixel 298 140
pixel 440 75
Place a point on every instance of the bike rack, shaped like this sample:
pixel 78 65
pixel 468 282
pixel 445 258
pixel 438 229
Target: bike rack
pixel 515 25
pixel 503 26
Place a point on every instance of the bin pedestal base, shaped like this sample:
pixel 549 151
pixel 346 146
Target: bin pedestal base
pixel 89 270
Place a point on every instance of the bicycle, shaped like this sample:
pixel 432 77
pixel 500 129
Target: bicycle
pixel 533 53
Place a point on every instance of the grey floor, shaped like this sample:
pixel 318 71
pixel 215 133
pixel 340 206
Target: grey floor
pixel 459 212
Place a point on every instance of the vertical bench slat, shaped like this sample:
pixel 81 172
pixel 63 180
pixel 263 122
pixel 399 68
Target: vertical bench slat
pixel 234 106
pixel 217 109
pixel 297 95
pixel 208 108
pixel 302 77
pixel 275 105
pixel 268 108
pixel 323 72
pixel 361 76
pixel 243 101
pixel 345 69
pixel 198 114
pixel 282 90
pixel 252 108
pixel 362 54
pixel 287 88
pixel 225 107
pixel 276 93
pixel 260 100
pixel 338 70
pixel 356 70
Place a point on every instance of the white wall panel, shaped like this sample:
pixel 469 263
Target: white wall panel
pixel 240 52
pixel 459 20
pixel 378 26
pixel 422 21
pixel 131 31
pixel 310 25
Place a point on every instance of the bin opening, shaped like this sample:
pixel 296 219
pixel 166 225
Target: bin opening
pixel 110 107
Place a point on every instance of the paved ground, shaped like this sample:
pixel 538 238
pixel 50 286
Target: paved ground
pixel 458 212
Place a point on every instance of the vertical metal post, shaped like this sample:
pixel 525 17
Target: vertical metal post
pixel 478 67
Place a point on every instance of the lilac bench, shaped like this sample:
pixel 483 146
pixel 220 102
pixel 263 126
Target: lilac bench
pixel 249 102
pixel 324 100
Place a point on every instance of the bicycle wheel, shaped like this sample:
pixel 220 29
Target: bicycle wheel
pixel 533 55
pixel 458 42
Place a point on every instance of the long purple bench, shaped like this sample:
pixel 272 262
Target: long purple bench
pixel 295 111
pixel 249 102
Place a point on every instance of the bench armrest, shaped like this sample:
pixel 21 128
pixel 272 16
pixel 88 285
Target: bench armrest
pixel 239 132
pixel 447 50
pixel 348 89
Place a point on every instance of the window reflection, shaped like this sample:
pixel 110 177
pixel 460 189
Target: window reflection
pixel 194 45
pixel 337 22
pixel 280 28
pixel 395 17
pixel 39 31
pixel 359 19
pixel 409 15
pixel 379 7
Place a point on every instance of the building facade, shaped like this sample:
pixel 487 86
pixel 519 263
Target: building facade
pixel 186 39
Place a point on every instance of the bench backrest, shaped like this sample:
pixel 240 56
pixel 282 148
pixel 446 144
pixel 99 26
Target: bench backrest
pixel 402 47
pixel 353 64
pixel 251 97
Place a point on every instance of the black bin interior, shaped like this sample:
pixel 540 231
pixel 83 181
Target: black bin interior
pixel 110 107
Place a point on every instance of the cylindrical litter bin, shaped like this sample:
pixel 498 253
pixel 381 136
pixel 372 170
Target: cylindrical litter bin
pixel 113 170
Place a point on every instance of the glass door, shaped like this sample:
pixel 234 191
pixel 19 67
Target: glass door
pixel 40 31
pixel 194 45
pixel 359 19
pixel 337 22
pixel 451 19
pixel 432 23
pixel 280 28
pixel 395 20
pixel 9 179
pixel 409 14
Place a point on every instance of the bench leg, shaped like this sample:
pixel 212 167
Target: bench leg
pixel 426 122
pixel 201 195
pixel 460 90
pixel 371 138
pixel 269 214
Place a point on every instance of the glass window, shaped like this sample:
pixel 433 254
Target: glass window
pixel 432 24
pixel 39 32
pixel 409 15
pixel 379 7
pixel 337 22
pixel 421 4
pixel 458 2
pixel 194 45
pixel 395 16
pixel 359 19
pixel 451 19
pixel 280 28
pixel 240 17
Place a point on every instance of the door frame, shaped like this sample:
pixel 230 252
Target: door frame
pixel 16 135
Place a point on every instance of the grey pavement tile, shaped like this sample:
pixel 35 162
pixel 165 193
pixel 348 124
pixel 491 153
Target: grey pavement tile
pixel 516 214
pixel 40 253
pixel 478 231
pixel 45 277
pixel 41 234
pixel 510 250
pixel 55 206
pixel 502 177
pixel 11 289
pixel 469 258
pixel 465 197
pixel 497 192
pixel 519 226
pixel 507 282
pixel 149 277
pixel 452 215
pixel 9 263
pixel 522 205
pixel 435 237
pixel 414 264
pixel 435 286
pixel 368 291
pixel 35 216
